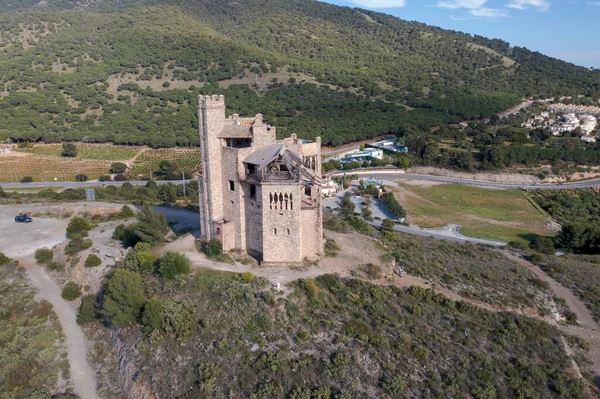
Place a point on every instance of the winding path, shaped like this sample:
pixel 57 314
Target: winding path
pixel 82 375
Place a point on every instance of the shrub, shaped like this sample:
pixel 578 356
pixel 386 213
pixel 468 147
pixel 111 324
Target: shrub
pixel 4 260
pixel 44 256
pixel 536 258
pixel 71 291
pixel 173 264
pixel 93 261
pixel 78 227
pixel 123 298
pixel 118 167
pixel 27 179
pixel 76 245
pixel 87 310
pixel 120 178
pixel 213 248
pixel 69 150
pixel 56 266
pixel 105 178
pixel 247 277
pixel 81 178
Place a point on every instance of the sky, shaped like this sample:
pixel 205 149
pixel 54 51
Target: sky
pixel 565 29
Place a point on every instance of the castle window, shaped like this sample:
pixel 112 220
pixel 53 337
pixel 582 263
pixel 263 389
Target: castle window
pixel 275 231
pixel 253 192
pixel 231 185
pixel 288 231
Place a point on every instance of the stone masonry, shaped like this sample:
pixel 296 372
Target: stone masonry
pixel 258 194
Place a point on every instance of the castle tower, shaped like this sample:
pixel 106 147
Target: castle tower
pixel 211 119
pixel 258 195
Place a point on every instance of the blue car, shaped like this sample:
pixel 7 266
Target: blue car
pixel 23 219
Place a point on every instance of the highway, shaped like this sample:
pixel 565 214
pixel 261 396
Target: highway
pixel 397 175
pixel 72 184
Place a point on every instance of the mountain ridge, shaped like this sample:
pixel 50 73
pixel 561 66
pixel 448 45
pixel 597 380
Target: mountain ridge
pixel 369 63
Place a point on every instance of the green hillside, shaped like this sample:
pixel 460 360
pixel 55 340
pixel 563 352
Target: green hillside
pixel 129 72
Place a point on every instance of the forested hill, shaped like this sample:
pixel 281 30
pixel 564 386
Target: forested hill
pixel 130 71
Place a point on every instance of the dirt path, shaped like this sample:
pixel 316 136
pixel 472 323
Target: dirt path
pixel 82 375
pixel 588 330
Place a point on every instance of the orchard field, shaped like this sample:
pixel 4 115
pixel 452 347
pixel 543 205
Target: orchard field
pixel 45 163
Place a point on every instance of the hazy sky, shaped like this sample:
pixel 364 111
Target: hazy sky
pixel 566 29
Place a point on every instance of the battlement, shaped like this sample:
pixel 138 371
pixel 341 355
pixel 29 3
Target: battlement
pixel 211 101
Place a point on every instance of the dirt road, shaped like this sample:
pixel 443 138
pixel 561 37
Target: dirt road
pixel 82 375
pixel 588 330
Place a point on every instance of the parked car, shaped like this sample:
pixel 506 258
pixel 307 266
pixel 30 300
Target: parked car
pixel 23 219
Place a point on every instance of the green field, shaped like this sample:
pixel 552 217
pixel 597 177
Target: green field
pixel 504 215
pixel 106 152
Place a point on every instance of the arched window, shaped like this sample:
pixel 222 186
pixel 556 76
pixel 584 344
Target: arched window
pixel 275 231
pixel 288 231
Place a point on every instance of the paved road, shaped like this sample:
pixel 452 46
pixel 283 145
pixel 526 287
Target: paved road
pixel 449 232
pixel 72 184
pixel 398 175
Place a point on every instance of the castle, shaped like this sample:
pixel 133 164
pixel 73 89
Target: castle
pixel 258 195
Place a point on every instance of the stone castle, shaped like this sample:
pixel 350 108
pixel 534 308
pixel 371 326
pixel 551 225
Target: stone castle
pixel 258 195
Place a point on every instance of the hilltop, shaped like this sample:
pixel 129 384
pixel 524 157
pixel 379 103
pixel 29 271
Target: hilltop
pixel 129 71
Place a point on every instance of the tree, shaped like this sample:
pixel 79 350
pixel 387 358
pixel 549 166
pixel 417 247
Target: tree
pixel 543 245
pixel 104 178
pixel 3 193
pixel 71 291
pixel 151 226
pixel 118 167
pixel 87 310
pixel 93 261
pixel 81 178
pixel 120 178
pixel 44 256
pixel 393 205
pixel 166 192
pixel 346 206
pixel 173 264
pixel 27 179
pixel 69 150
pixel 126 213
pixel 124 298
pixel 78 227
pixel 165 167
pixel 4 260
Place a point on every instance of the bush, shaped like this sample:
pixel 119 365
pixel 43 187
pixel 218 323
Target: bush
pixel 104 178
pixel 76 245
pixel 81 178
pixel 4 260
pixel 93 261
pixel 247 277
pixel 173 264
pixel 78 227
pixel 121 178
pixel 536 258
pixel 56 266
pixel 71 291
pixel 27 179
pixel 118 167
pixel 213 248
pixel 44 256
pixel 87 310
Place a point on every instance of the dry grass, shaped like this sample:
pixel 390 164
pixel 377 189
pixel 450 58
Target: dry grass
pixel 495 214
